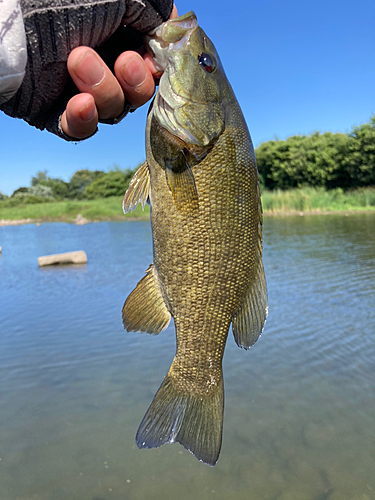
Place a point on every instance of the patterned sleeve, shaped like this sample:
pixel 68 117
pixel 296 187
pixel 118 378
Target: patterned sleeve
pixel 54 28
pixel 12 49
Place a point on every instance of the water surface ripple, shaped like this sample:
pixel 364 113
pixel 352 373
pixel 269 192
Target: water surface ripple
pixel 300 405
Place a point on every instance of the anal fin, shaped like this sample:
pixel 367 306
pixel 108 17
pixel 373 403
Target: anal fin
pixel 145 310
pixel 138 190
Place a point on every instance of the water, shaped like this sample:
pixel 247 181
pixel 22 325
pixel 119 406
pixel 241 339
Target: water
pixel 300 405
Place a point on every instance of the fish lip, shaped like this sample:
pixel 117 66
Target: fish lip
pixel 172 34
pixel 186 22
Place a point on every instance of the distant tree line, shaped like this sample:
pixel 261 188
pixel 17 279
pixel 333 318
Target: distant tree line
pixel 83 185
pixel 321 160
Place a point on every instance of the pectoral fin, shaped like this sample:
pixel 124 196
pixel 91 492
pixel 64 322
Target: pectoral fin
pixel 138 190
pixel 249 322
pixel 181 182
pixel 145 310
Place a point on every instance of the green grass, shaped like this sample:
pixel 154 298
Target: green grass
pixel 101 209
pixel 294 200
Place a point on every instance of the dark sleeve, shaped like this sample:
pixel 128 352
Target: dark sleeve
pixel 54 28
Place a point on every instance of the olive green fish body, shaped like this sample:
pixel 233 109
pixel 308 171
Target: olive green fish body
pixel 206 223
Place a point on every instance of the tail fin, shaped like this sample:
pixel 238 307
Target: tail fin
pixel 177 416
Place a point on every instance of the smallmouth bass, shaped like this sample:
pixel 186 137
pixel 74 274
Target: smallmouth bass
pixel 201 180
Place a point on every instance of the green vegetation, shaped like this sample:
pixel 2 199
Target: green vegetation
pixel 317 200
pixel 114 183
pixel 319 172
pixel 102 209
pixel 277 201
pixel 83 185
pixel 326 160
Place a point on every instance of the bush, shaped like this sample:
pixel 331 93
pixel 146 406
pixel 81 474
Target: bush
pixel 40 190
pixel 33 194
pixel 80 180
pixel 19 191
pixel 301 161
pixel 320 160
pixel 113 183
pixel 358 163
pixel 24 199
pixel 59 188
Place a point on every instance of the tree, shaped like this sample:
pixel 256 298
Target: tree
pixel 113 183
pixel 80 180
pixel 326 160
pixel 60 188
pixel 358 164
pixel 40 177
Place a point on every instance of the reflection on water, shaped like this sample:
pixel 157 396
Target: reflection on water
pixel 300 405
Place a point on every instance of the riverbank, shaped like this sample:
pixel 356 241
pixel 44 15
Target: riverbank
pixel 307 201
pixel 18 222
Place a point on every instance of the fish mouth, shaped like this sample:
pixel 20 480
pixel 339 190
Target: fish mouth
pixel 171 35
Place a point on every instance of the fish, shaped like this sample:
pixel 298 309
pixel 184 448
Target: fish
pixel 201 181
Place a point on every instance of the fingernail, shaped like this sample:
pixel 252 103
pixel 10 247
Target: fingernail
pixel 87 112
pixel 134 72
pixel 89 69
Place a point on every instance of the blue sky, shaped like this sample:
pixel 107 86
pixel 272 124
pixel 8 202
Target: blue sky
pixel 295 66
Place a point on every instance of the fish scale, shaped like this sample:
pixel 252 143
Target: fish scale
pixel 206 221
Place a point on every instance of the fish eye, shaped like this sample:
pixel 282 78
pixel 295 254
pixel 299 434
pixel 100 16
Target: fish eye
pixel 206 61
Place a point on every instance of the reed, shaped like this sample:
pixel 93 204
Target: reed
pixel 318 200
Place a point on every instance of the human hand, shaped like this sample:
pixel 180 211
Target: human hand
pixel 103 94
pixel 107 88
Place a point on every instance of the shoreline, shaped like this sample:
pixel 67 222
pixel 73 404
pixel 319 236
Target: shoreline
pixel 80 221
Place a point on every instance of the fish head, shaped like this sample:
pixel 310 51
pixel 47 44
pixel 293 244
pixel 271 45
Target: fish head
pixel 189 101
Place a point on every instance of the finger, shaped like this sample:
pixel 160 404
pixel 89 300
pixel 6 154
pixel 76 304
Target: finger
pixel 174 14
pixel 135 78
pixel 80 118
pixel 151 66
pixel 91 75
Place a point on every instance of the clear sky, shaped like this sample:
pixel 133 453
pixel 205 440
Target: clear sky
pixel 295 66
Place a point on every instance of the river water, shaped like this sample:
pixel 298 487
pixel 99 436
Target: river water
pixel 300 405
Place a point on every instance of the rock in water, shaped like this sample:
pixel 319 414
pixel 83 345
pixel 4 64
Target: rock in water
pixel 78 257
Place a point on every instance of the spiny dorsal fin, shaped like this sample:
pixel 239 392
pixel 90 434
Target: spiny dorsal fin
pixel 181 182
pixel 145 310
pixel 138 190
